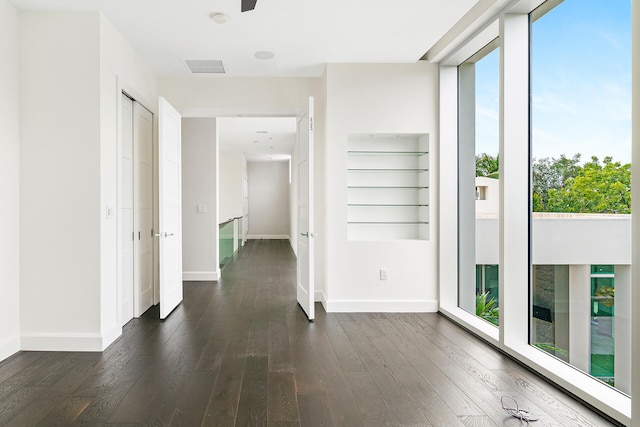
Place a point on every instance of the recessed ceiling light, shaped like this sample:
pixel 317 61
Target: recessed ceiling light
pixel 219 18
pixel 264 54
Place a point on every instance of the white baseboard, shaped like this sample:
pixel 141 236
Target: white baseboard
pixel 59 342
pixel 268 236
pixel 110 336
pixel 201 276
pixel 381 306
pixel 9 346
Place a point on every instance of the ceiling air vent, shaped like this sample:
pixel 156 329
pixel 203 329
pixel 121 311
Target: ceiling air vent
pixel 211 66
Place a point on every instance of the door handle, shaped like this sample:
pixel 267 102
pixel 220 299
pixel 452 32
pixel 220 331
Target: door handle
pixel 304 234
pixel 165 234
pixel 309 234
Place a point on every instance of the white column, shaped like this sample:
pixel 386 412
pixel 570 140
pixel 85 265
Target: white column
pixel 466 188
pixel 622 328
pixel 580 316
pixel 448 149
pixel 635 207
pixel 235 235
pixel 514 180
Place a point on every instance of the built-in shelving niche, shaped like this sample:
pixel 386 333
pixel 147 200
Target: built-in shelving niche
pixel 388 186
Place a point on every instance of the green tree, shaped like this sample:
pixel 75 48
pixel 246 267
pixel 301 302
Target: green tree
pixel 597 188
pixel 487 165
pixel 552 174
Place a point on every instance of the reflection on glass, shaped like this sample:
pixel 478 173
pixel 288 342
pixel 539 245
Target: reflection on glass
pixel 602 363
pixel 479 165
pixel 550 319
pixel 226 243
pixel 581 185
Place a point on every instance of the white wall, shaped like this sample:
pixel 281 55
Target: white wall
pixel 199 187
pixel 564 239
pixel 9 184
pixel 268 200
pixel 197 97
pixel 73 65
pixel 378 98
pixel 491 204
pixel 233 166
pixel 60 208
pixel 120 68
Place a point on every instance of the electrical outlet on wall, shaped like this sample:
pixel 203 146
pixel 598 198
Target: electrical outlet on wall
pixel 383 274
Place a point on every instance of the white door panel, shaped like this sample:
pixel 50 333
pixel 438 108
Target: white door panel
pixel 170 207
pixel 143 158
pixel 305 289
pixel 125 213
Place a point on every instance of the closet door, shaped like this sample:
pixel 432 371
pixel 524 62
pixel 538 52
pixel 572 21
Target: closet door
pixel 125 213
pixel 143 207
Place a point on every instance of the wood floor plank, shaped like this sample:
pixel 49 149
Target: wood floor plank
pixel 382 373
pixel 314 410
pixel 278 343
pixel 481 421
pixel 46 404
pixel 408 343
pixel 282 399
pixel 18 363
pixel 373 407
pixel 223 401
pixel 194 398
pixel 306 368
pixel 159 408
pixel 340 399
pixel 241 351
pixel 65 413
pixel 252 408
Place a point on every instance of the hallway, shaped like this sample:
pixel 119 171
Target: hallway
pixel 240 352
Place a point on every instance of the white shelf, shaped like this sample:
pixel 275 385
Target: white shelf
pixel 388 187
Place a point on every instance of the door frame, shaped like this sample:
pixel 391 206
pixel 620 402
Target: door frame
pixel 124 87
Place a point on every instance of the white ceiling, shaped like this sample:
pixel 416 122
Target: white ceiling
pixel 304 35
pixel 259 138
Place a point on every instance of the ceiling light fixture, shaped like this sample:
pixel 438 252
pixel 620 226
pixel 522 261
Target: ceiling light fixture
pixel 264 54
pixel 219 18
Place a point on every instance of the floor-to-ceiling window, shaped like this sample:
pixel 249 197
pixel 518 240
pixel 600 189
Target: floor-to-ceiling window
pixel 556 260
pixel 581 184
pixel 479 178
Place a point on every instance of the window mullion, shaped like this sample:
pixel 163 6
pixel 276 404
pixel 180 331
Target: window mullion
pixel 514 181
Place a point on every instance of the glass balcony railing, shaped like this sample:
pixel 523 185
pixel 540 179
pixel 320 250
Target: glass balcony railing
pixel 231 239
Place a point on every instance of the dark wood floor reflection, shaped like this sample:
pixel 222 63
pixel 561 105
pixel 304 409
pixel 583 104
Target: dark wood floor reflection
pixel 241 352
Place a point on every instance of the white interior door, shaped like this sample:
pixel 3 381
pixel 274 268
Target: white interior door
pixel 170 207
pixel 125 212
pixel 305 288
pixel 143 208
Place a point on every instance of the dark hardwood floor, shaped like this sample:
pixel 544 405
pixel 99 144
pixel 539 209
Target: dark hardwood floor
pixel 241 353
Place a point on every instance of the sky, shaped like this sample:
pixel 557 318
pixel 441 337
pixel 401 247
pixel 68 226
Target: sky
pixel 581 83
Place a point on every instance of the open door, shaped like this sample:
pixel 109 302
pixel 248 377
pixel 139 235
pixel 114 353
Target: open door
pixel 305 288
pixel 170 207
